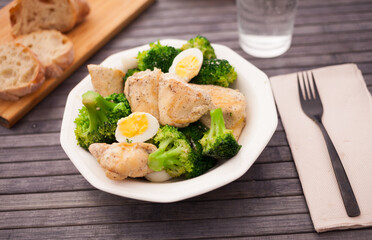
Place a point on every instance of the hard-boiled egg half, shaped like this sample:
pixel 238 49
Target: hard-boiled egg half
pixel 187 64
pixel 137 127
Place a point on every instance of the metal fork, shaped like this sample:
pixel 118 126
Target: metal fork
pixel 312 106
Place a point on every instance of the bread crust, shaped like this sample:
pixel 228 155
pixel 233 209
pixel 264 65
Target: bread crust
pixel 37 79
pixel 83 10
pixel 79 9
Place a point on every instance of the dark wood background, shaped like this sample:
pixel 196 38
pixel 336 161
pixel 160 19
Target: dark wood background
pixel 43 196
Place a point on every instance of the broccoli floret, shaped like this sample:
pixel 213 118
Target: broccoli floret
pixel 201 43
pixel 158 56
pixel 219 142
pixel 194 132
pixel 216 72
pixel 174 153
pixel 98 117
pixel 130 72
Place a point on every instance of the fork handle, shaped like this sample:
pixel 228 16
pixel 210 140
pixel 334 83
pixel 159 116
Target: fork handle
pixel 347 193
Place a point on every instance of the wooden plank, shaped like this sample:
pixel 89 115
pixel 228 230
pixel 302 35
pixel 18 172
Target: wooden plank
pixel 33 153
pixel 96 198
pixel 33 127
pixel 43 184
pixel 53 200
pixel 234 190
pixel 208 228
pixel 88 37
pixel 269 171
pixel 229 15
pixel 275 154
pixel 278 139
pixel 153 212
pixel 368 78
pixel 229 7
pixel 44 139
pixel 360 234
pixel 165 230
pixel 38 168
pixel 321 48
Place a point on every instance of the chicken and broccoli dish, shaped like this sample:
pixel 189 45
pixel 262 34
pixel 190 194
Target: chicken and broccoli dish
pixel 174 116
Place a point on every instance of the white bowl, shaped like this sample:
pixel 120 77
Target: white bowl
pixel 261 124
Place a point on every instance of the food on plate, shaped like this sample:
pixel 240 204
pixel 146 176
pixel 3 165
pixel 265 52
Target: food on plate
pixel 160 176
pixel 216 72
pixel 97 120
pixel 129 73
pixel 181 103
pixel 194 132
pixel 105 80
pixel 122 160
pixel 201 43
pixel 175 154
pixel 54 50
pixel 28 16
pixel 21 72
pixel 169 128
pixel 219 142
pixel 137 127
pixel 158 56
pixel 187 64
pixel 233 105
pixel 141 90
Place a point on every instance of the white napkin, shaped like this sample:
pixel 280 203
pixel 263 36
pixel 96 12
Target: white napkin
pixel 347 117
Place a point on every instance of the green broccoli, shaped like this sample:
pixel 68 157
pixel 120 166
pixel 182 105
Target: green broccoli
pixel 219 142
pixel 98 117
pixel 158 56
pixel 174 153
pixel 216 72
pixel 194 132
pixel 130 72
pixel 203 44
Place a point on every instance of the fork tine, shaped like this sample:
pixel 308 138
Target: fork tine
pixel 300 92
pixel 306 85
pixel 315 87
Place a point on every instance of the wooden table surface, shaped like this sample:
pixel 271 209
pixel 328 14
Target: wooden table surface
pixel 43 196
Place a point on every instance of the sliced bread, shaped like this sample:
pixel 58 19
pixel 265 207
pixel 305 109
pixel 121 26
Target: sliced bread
pixel 32 15
pixel 21 72
pixel 54 49
pixel 105 80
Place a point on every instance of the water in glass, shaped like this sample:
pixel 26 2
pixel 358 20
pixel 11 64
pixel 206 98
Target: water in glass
pixel 266 26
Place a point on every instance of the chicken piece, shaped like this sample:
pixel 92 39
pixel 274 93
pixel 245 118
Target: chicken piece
pixel 141 90
pixel 106 81
pixel 181 103
pixel 122 160
pixel 233 105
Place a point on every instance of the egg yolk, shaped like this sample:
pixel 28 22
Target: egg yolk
pixel 133 125
pixel 187 67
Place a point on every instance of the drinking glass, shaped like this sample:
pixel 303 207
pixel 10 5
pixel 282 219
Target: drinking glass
pixel 266 26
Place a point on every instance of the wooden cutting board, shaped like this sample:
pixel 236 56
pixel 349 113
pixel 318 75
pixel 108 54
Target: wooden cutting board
pixel 105 20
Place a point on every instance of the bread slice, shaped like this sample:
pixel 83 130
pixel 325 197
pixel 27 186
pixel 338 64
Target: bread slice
pixel 21 72
pixel 105 80
pixel 32 15
pixel 54 49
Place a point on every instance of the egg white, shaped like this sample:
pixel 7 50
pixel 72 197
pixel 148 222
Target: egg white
pixel 152 128
pixel 192 71
pixel 160 176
